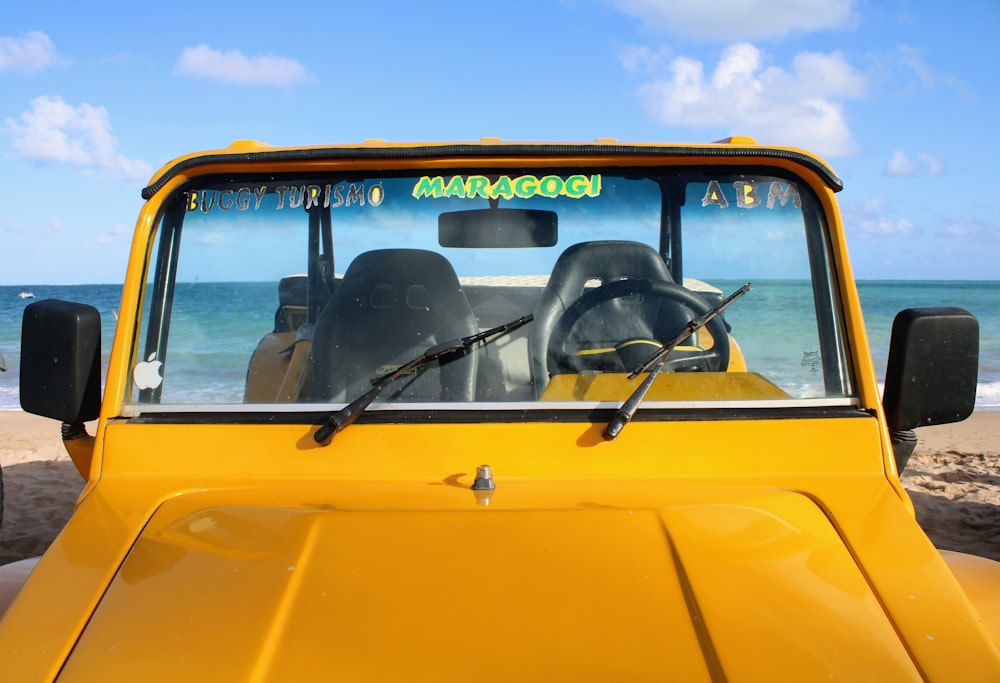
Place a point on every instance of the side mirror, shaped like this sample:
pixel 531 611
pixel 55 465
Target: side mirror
pixel 931 373
pixel 61 361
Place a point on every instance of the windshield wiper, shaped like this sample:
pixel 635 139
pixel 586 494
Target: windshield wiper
pixel 349 413
pixel 658 360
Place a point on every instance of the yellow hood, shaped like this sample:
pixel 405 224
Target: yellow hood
pixel 737 586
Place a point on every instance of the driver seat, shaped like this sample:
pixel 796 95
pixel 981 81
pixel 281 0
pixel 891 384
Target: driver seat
pixel 392 305
pixel 588 264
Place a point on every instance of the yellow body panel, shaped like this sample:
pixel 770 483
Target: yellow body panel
pixel 710 386
pixel 670 540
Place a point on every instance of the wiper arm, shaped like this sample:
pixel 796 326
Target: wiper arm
pixel 349 413
pixel 658 360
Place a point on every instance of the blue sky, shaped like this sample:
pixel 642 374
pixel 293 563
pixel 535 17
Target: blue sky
pixel 901 97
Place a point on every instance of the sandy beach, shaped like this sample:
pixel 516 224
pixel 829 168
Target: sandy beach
pixel 953 479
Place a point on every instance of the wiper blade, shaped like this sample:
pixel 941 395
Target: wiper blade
pixel 349 413
pixel 658 361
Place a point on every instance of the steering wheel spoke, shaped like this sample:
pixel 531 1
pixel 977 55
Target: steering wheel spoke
pixel 631 352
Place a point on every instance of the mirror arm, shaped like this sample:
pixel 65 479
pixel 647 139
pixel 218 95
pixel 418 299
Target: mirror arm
pixel 903 442
pixel 80 446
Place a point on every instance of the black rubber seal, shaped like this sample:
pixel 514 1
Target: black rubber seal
pixel 473 151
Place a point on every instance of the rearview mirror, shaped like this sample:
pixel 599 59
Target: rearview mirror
pixel 497 228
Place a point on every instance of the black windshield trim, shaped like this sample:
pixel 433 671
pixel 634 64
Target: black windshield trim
pixel 499 416
pixel 473 151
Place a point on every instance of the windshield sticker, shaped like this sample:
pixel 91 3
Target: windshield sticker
pixel 748 194
pixel 507 187
pixel 288 196
pixel 811 360
pixel 146 374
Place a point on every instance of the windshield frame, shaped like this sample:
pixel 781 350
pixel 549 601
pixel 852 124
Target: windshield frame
pixel 836 355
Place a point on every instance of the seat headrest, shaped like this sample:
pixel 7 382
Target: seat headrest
pixel 607 261
pixel 391 305
pixel 292 290
pixel 413 276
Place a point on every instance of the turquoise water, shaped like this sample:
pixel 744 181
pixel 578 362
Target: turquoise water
pixel 761 321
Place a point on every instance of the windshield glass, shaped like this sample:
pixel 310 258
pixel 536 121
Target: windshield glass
pixel 295 293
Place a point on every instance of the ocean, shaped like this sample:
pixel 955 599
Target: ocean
pixel 880 300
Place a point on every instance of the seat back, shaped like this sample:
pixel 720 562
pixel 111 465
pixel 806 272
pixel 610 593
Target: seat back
pixel 590 264
pixel 291 312
pixel 272 376
pixel 391 306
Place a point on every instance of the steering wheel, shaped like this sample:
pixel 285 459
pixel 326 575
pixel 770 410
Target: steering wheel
pixel 715 359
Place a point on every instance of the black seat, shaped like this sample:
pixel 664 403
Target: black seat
pixel 586 265
pixel 292 298
pixel 390 307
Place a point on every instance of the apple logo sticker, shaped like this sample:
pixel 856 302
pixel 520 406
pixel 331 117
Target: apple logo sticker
pixel 147 374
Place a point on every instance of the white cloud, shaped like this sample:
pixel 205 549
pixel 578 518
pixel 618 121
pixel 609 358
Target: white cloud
pixel 638 58
pixel 934 165
pixel 53 227
pixel 31 52
pixel 884 227
pixel 800 107
pixel 730 20
pixel 54 131
pixel 904 71
pixel 118 235
pixel 233 67
pixel 970 228
pixel 901 165
pixel 913 59
pixel 872 219
pixel 212 239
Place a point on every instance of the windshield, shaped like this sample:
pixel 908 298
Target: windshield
pixel 298 293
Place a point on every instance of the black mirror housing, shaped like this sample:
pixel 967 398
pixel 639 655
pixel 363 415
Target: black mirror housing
pixel 498 228
pixel 932 369
pixel 61 361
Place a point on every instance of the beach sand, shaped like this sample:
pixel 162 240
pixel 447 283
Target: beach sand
pixel 953 479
